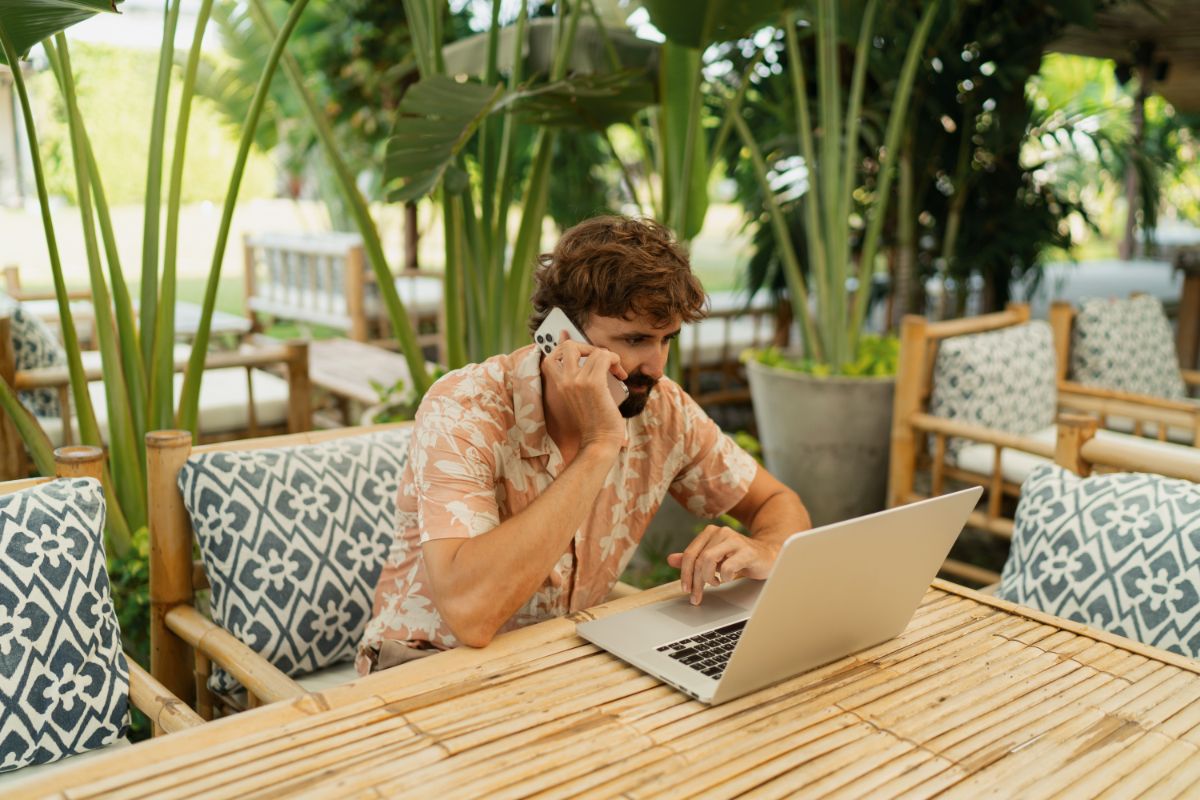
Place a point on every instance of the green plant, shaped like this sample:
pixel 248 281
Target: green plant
pixel 136 350
pixel 833 200
pixel 877 358
pixel 460 141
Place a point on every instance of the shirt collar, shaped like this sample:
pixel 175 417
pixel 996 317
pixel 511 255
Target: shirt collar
pixel 528 408
pixel 530 414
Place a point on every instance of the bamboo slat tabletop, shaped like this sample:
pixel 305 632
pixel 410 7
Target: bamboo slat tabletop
pixel 976 698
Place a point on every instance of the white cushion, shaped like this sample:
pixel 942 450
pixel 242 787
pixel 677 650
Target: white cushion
pixel 224 403
pixel 328 677
pixel 12 783
pixel 1017 465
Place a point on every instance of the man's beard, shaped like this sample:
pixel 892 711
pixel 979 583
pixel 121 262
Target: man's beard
pixel 635 403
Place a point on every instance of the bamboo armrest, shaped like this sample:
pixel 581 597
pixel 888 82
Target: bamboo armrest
pixel 260 677
pixel 164 709
pixel 1078 389
pixel 50 377
pixel 1134 456
pixel 978 433
pixel 1190 376
pixel 621 589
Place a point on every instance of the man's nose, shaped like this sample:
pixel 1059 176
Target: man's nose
pixel 655 367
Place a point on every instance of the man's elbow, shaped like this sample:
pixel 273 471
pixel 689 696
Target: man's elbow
pixel 469 625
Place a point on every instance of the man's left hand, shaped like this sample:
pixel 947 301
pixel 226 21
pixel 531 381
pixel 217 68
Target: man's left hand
pixel 718 555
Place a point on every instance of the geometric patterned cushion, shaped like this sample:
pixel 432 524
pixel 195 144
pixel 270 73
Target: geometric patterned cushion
pixel 1002 379
pixel 293 541
pixel 34 346
pixel 1126 345
pixel 1120 552
pixel 64 681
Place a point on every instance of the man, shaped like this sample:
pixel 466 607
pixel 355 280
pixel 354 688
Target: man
pixel 527 488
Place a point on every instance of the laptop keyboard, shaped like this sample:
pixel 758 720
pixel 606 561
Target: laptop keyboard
pixel 706 652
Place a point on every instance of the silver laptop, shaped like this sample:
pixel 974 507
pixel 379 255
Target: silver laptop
pixel 833 591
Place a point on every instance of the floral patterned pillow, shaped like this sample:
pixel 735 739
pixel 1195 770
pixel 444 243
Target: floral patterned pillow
pixel 293 541
pixel 1126 345
pixel 64 680
pixel 1119 552
pixel 1001 379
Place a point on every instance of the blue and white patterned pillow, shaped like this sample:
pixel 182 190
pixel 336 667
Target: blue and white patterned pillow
pixel 64 680
pixel 1126 345
pixel 293 541
pixel 1119 552
pixel 34 346
pixel 1001 379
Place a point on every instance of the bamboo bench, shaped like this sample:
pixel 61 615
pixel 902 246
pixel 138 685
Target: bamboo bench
pixel 167 713
pixel 184 642
pixel 248 400
pixel 325 280
pixel 997 460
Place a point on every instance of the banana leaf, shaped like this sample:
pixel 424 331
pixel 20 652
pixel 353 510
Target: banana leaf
pixel 438 116
pixel 591 101
pixel 28 22
pixel 434 121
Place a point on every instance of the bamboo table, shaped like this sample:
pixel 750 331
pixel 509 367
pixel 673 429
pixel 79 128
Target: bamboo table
pixel 976 698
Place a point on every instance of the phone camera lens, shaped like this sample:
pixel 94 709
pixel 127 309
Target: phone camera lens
pixel 547 348
pixel 539 338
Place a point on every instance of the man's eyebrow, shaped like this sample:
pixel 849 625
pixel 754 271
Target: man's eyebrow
pixel 651 335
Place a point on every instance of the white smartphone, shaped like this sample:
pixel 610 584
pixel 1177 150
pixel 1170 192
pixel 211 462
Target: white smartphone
pixel 546 337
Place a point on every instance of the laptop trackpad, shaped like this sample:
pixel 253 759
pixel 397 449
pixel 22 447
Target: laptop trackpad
pixel 710 610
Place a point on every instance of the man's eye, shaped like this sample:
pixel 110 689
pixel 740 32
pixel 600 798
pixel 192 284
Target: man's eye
pixel 633 340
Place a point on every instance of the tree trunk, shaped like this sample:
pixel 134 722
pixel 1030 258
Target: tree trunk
pixel 412 237
pixel 1128 247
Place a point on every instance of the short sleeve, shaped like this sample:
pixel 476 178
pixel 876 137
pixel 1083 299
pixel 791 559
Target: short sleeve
pixel 716 473
pixel 453 468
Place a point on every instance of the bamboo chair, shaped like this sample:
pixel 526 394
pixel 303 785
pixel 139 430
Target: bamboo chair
pixel 1158 417
pixel 291 359
pixel 184 643
pixel 326 280
pixel 913 428
pixel 166 711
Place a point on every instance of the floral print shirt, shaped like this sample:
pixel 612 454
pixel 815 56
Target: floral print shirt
pixel 480 453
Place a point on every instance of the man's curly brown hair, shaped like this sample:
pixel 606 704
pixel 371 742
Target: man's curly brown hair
pixel 617 266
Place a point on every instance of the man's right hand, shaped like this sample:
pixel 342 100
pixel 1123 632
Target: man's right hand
pixel 584 390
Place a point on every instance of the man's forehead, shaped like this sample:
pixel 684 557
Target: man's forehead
pixel 638 322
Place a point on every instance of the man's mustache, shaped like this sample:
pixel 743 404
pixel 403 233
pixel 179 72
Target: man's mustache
pixel 640 380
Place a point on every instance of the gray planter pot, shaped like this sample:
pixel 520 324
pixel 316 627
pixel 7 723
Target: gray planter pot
pixel 826 438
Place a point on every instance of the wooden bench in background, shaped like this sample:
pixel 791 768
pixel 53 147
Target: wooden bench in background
pixel 325 280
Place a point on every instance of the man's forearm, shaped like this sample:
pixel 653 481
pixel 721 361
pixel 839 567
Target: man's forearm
pixel 781 515
pixel 488 577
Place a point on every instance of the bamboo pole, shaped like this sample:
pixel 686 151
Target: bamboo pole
pixel 261 679
pixel 11 446
pixel 299 388
pixel 354 274
pixel 170 559
pixel 906 403
pixel 1073 431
